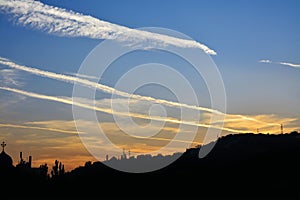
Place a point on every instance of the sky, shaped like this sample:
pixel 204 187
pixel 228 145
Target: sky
pixel 254 44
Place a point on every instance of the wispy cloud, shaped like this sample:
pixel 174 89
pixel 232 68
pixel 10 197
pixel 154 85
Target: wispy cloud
pixel 112 128
pixel 110 111
pixel 72 151
pixel 38 128
pixel 84 76
pixel 111 90
pixel 281 63
pixel 265 61
pixel 43 144
pixel 10 77
pixel 68 23
pixel 290 64
pixel 233 124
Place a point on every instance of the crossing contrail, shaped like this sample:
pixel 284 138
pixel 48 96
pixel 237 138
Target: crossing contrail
pixel 111 90
pixel 110 111
pixel 68 23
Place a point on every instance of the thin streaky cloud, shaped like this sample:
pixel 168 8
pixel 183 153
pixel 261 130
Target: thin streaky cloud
pixel 77 132
pixel 71 125
pixel 111 90
pixel 10 77
pixel 83 76
pixel 167 139
pixel 110 111
pixel 64 22
pixel 281 63
pixel 265 61
pixel 290 64
pixel 38 128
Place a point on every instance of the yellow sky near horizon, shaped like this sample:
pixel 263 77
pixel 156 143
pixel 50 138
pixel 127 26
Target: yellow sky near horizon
pixel 49 140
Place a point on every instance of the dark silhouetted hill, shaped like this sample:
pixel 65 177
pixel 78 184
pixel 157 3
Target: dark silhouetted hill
pixel 239 165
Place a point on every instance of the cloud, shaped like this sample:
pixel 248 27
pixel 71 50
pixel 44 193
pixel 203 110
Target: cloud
pixel 63 22
pixel 290 64
pixel 111 90
pixel 160 140
pixel 84 76
pixel 233 124
pixel 269 127
pixel 44 146
pixel 110 111
pixel 265 61
pixel 112 128
pixel 281 63
pixel 271 123
pixel 10 77
pixel 38 128
pixel 166 134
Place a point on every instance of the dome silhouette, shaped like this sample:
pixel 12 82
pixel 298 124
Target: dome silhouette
pixel 5 160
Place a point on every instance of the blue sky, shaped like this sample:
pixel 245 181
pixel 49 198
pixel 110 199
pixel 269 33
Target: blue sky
pixel 241 32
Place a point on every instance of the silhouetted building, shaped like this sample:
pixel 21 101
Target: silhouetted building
pixel 26 167
pixel 6 161
pixel 23 167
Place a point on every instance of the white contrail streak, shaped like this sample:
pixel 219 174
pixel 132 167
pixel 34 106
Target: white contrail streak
pixel 75 132
pixel 110 111
pixel 167 139
pixel 111 90
pixel 37 128
pixel 290 64
pixel 281 63
pixel 68 23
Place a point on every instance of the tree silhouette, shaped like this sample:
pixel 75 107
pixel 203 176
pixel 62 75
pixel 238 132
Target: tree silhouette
pixel 88 164
pixel 58 169
pixel 44 171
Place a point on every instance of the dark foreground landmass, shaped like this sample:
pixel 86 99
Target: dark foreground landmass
pixel 246 165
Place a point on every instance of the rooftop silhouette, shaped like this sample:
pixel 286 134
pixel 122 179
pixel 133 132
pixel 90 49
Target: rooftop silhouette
pixel 6 161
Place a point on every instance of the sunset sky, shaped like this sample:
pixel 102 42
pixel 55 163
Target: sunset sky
pixel 254 44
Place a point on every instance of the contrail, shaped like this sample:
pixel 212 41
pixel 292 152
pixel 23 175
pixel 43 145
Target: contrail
pixel 110 111
pixel 281 63
pixel 290 64
pixel 38 128
pixel 75 132
pixel 111 90
pixel 166 139
pixel 63 22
